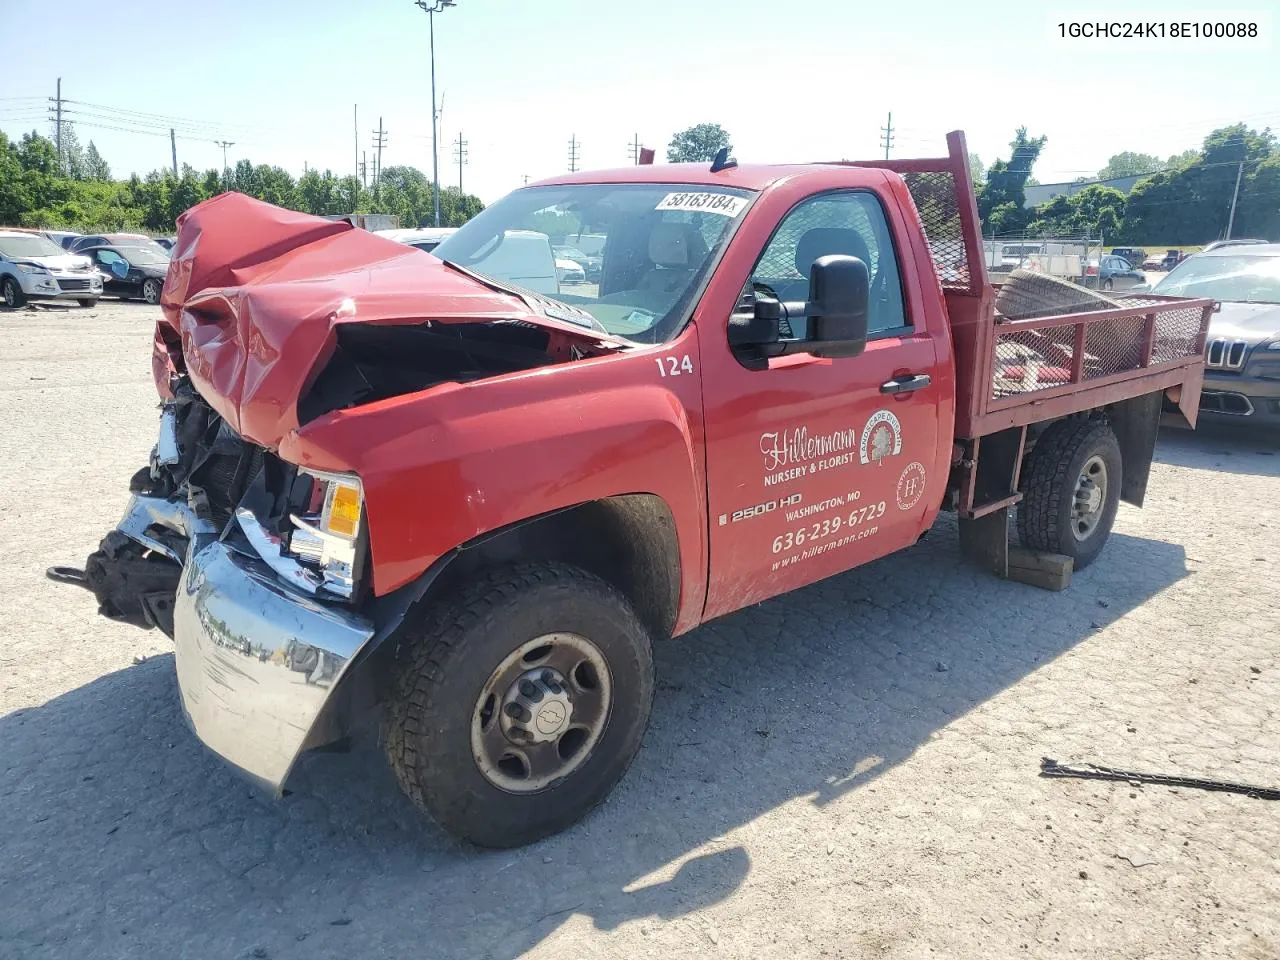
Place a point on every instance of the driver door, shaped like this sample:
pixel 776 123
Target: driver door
pixel 818 465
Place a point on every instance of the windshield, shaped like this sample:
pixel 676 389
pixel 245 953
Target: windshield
pixel 32 246
pixel 1239 279
pixel 145 256
pixel 573 253
pixel 659 240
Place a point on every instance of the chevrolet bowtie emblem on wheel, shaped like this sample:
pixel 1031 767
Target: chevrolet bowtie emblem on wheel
pixel 550 717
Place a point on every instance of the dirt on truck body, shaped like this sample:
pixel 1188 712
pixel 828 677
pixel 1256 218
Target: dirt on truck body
pixel 404 481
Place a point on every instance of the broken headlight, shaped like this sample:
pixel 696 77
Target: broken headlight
pixel 326 536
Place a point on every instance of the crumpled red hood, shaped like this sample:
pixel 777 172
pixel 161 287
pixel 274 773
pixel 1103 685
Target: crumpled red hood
pixel 254 294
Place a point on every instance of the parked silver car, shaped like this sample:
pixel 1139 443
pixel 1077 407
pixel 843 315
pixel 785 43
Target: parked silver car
pixel 33 267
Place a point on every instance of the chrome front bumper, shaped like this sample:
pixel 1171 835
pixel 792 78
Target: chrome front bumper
pixel 256 660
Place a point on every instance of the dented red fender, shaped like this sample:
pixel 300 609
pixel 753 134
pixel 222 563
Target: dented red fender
pixel 251 304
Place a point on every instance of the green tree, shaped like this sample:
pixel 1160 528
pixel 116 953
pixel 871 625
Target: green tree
pixel 35 190
pixel 1183 159
pixel 700 143
pixel 1129 164
pixel 1001 203
pixel 14 197
pixel 1191 203
pixel 1258 213
pixel 1095 211
pixel 977 171
pixel 95 168
pixel 73 157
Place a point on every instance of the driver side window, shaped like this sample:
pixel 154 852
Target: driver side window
pixel 848 222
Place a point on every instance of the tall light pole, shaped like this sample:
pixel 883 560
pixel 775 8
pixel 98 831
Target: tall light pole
pixel 432 9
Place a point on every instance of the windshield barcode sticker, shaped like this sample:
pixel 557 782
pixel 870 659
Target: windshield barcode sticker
pixel 721 203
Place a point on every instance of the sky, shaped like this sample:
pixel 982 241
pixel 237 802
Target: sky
pixel 809 80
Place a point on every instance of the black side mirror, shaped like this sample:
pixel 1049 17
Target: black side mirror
pixel 837 309
pixel 839 293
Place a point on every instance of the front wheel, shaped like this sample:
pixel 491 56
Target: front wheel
pixel 520 703
pixel 1071 490
pixel 151 291
pixel 87 304
pixel 11 293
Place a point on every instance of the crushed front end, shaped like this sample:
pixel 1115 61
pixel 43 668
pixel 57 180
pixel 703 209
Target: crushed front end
pixel 251 566
pixel 280 330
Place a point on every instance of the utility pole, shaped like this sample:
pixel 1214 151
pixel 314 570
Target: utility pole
pixel 364 163
pixel 1235 195
pixel 526 179
pixel 460 154
pixel 573 153
pixel 355 132
pixel 173 145
pixel 886 135
pixel 633 149
pixel 224 144
pixel 379 140
pixel 57 123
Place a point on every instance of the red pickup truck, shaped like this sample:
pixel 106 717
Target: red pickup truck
pixel 396 479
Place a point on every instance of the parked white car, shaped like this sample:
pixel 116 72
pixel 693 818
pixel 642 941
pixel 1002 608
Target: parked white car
pixel 33 267
pixel 425 238
pixel 570 271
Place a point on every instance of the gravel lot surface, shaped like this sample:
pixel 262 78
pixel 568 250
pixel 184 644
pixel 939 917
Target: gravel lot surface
pixel 847 771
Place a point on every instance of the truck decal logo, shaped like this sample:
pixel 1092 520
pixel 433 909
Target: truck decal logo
pixel 791 454
pixel 882 437
pixel 910 485
pixel 720 203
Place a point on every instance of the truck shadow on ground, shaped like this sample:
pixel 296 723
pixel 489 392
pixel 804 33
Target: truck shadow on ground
pixel 124 838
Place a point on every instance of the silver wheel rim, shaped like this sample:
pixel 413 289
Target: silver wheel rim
pixel 1090 498
pixel 540 714
pixel 10 298
pixel 151 292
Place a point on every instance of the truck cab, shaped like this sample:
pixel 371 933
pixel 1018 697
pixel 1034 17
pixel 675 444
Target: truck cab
pixel 433 487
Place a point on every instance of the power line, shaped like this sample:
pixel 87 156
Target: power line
pixel 574 146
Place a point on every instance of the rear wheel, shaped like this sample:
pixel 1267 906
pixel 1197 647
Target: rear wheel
pixel 11 293
pixel 1071 490
pixel 151 291
pixel 520 704
pixel 1107 284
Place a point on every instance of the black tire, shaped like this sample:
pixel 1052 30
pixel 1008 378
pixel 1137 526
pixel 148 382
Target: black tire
pixel 444 668
pixel 1107 285
pixel 1028 294
pixel 151 291
pixel 87 304
pixel 1050 475
pixel 11 294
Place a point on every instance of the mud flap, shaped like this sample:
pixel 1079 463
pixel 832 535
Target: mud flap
pixel 985 541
